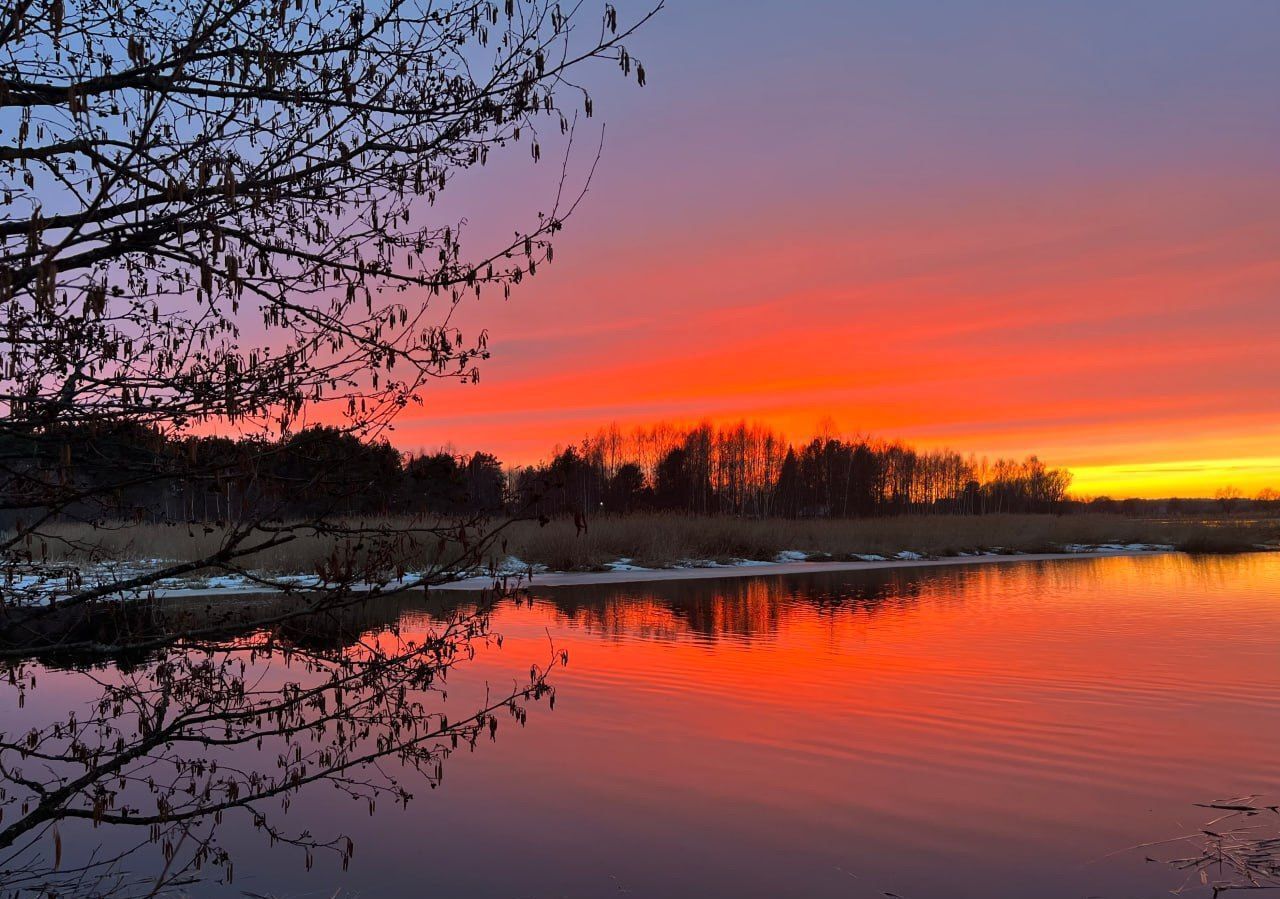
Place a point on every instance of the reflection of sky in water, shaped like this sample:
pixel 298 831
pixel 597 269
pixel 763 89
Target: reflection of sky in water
pixel 990 731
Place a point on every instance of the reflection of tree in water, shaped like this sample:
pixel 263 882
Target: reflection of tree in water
pixel 726 607
pixel 124 793
pixel 749 607
pixel 170 745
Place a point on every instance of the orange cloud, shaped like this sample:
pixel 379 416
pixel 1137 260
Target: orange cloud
pixel 1113 328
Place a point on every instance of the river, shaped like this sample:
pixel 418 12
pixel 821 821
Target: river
pixel 1007 730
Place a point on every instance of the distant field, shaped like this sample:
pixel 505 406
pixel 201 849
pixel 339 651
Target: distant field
pixel 665 540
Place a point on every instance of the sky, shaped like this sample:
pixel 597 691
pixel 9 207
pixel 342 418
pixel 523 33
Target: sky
pixel 1001 227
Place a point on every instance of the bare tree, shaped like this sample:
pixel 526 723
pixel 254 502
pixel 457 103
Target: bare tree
pixel 221 214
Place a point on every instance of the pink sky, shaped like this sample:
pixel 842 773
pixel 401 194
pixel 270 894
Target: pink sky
pixel 1004 232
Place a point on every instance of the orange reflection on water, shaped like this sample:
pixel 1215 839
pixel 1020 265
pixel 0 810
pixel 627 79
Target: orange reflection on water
pixel 972 731
pixel 1006 721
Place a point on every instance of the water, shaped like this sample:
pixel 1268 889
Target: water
pixel 976 731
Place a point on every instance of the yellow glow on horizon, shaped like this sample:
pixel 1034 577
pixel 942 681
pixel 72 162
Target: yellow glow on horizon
pixel 1188 478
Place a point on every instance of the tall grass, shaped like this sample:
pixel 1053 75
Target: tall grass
pixel 665 540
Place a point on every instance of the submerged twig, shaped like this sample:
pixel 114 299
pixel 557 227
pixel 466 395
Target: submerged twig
pixel 1239 850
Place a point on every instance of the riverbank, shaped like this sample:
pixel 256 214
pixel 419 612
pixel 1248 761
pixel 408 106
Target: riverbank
pixel 624 573
pixel 652 547
pixel 673 540
pixel 515 574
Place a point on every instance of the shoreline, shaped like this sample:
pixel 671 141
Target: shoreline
pixel 555 579
pixel 552 579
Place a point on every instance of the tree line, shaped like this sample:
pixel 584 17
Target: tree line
pixel 741 470
pixel 752 470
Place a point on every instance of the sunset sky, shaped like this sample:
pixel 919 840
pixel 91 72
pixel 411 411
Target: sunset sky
pixel 1012 228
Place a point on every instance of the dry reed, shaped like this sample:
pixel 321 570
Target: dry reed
pixel 1239 850
pixel 665 540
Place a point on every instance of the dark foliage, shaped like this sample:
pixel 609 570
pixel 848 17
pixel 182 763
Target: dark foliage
pixel 751 471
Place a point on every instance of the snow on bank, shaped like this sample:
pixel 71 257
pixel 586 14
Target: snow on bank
pixel 622 571
pixel 626 564
pixel 788 563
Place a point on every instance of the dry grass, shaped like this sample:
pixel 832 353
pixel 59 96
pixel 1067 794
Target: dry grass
pixel 305 553
pixel 664 540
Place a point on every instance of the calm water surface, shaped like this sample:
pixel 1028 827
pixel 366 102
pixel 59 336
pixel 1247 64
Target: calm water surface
pixel 983 731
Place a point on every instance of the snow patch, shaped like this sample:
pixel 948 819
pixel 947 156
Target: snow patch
pixel 625 564
pixel 222 582
pixel 514 567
